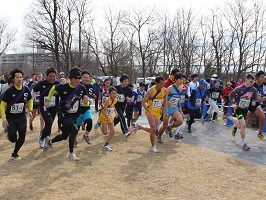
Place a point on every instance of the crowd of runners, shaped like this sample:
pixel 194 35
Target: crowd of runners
pixel 166 104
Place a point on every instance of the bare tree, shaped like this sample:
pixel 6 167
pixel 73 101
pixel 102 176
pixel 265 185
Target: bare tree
pixel 7 35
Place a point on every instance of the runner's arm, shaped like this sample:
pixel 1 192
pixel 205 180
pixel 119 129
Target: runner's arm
pixel 51 93
pixel 3 110
pixel 30 104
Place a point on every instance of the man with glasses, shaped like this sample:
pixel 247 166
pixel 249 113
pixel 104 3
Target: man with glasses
pixel 240 99
pixel 69 109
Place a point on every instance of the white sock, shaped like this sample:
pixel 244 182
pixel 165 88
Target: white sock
pixel 244 141
pixel 177 130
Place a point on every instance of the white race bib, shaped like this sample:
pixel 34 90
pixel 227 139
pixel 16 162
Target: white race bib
pixel 215 95
pixel 36 98
pixel 110 111
pixel 17 108
pixel 139 99
pixel 74 108
pixel 198 101
pixel 120 98
pixel 182 98
pixel 104 99
pixel 52 103
pixel 174 101
pixel 157 103
pixel 244 103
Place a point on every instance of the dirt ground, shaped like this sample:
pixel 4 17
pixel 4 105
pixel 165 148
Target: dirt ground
pixel 131 171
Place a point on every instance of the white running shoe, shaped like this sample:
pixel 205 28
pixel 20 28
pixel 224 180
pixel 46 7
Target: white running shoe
pixel 154 149
pixel 107 148
pixel 47 144
pixel 72 156
pixel 127 134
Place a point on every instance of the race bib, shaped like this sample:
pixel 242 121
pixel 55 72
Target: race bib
pixel 17 108
pixel 198 101
pixel 120 98
pixel 74 108
pixel 52 103
pixel 182 98
pixel 174 101
pixel 215 95
pixel 139 99
pixel 36 98
pixel 110 111
pixel 104 99
pixel 244 103
pixel 157 103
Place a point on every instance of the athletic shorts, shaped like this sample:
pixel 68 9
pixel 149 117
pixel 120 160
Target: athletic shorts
pixel 138 108
pixel 103 119
pixel 15 124
pixel 36 106
pixel 185 110
pixel 253 108
pixel 241 113
pixel 83 117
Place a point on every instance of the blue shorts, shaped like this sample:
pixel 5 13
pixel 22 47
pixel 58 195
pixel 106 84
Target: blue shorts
pixel 171 111
pixel 138 108
pixel 83 117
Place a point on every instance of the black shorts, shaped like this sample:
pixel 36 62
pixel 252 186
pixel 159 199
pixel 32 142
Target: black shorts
pixel 15 124
pixel 253 108
pixel 36 106
pixel 129 111
pixel 185 110
pixel 241 113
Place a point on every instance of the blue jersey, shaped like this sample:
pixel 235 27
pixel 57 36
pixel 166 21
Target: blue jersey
pixel 174 98
pixel 139 95
pixel 198 98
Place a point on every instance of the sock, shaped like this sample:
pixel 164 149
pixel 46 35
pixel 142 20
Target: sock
pixel 177 130
pixel 244 141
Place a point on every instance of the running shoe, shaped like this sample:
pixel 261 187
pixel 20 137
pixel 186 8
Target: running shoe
pixel 136 128
pixel 31 127
pixel 127 134
pixel 159 139
pixel 246 147
pixel 72 156
pixel 107 148
pixel 75 143
pixel 154 149
pixel 132 123
pixel 47 144
pixel 260 135
pixel 15 156
pixel 234 129
pixel 87 138
pixel 178 136
pixel 41 142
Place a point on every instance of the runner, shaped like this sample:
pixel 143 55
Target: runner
pixel 13 111
pixel 104 94
pixel 69 109
pixel 139 93
pixel 36 102
pixel 124 94
pixel 185 94
pixel 130 107
pixel 106 117
pixel 85 111
pixel 260 76
pixel 245 94
pixel 48 114
pixel 156 100
pixel 214 93
pixel 196 100
pixel 174 95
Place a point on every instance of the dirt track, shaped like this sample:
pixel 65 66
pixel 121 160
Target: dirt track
pixel 131 171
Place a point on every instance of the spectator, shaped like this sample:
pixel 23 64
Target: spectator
pixel 171 78
pixel 240 82
pixel 194 81
pixel 225 95
pixel 114 81
pixel 232 80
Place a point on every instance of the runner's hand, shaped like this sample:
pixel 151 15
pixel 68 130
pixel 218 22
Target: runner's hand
pixel 5 124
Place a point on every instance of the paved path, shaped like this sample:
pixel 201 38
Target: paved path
pixel 217 137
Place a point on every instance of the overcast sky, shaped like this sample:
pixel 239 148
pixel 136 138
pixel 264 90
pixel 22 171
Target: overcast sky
pixel 14 10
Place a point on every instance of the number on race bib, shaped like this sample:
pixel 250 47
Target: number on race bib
pixel 244 103
pixel 17 108
pixel 139 99
pixel 157 103
pixel 120 98
pixel 74 108
pixel 52 102
pixel 215 95
pixel 174 101
pixel 198 101
pixel 110 111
